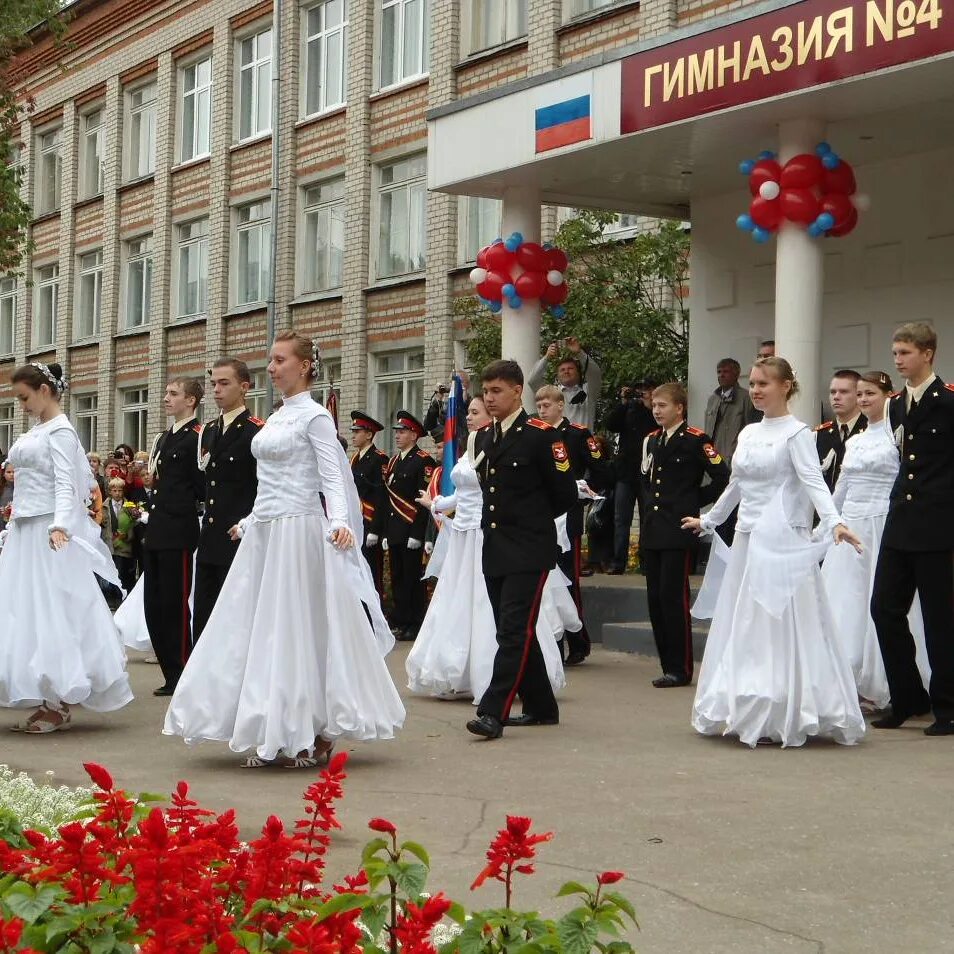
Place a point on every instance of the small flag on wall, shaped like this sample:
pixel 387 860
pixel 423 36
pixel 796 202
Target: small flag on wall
pixel 563 123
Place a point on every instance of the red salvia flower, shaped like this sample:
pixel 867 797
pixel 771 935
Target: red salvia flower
pixel 413 928
pixel 610 877
pixel 99 775
pixel 382 825
pixel 512 845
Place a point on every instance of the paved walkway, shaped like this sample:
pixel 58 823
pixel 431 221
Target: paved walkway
pixel 729 851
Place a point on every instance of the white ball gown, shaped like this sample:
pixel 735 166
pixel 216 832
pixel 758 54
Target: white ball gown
pixel 455 648
pixel 295 645
pixel 59 643
pixel 130 617
pixel 773 667
pixel 867 475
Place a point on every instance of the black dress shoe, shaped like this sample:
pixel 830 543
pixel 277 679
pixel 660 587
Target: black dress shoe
pixel 396 631
pixel 164 691
pixel 940 727
pixel 670 680
pixel 893 719
pixel 615 571
pixel 486 726
pixel 525 718
pixel 407 635
pixel 574 659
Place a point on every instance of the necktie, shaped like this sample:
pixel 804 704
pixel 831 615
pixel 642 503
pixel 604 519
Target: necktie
pixel 912 407
pixel 497 432
pixel 664 438
pixel 844 433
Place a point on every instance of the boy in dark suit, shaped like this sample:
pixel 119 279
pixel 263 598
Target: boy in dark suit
pixel 367 467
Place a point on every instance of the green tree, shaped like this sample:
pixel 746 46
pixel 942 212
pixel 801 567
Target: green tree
pixel 17 18
pixel 626 304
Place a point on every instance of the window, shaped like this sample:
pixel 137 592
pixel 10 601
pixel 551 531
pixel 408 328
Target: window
pixel 257 395
pixel 330 380
pixel 91 155
pixel 8 315
pixel 47 298
pixel 15 162
pixel 323 251
pixel 196 109
pixel 255 84
pixel 253 252
pixel 85 410
pixel 479 222
pixel 134 408
pixel 625 224
pixel 326 44
pixel 138 281
pixel 398 385
pixel 193 272
pixel 579 7
pixel 49 172
pixel 90 299
pixel 496 21
pixel 402 226
pixel 141 124
pixel 7 425
pixel 404 40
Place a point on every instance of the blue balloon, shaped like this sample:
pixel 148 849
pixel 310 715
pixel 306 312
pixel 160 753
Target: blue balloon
pixel 497 241
pixel 766 154
pixel 515 301
pixel 822 149
pixel 495 306
pixel 547 246
pixel 830 161
pixel 517 237
pixel 511 246
pixel 815 230
pixel 746 166
pixel 558 311
pixel 508 291
pixel 761 235
pixel 745 222
pixel 825 221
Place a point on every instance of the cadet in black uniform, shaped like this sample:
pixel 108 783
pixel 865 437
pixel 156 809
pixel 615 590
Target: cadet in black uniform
pixel 676 460
pixel 367 467
pixel 524 469
pixel 831 436
pixel 173 531
pixel 231 483
pixel 916 548
pixel 406 475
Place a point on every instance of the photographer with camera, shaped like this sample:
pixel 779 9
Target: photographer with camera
pixel 578 377
pixel 436 414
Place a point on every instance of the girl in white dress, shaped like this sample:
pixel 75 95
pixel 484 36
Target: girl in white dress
pixel 773 670
pixel 59 646
pixel 292 657
pixel 867 475
pixel 455 648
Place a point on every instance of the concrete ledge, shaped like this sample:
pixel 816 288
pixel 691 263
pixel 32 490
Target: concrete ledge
pixel 638 638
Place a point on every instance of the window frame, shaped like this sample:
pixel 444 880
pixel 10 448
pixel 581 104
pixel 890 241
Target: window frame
pixel 381 6
pixel 474 12
pixel 581 8
pixel 322 36
pixel 239 229
pixel 253 34
pixel 406 377
pixel 465 214
pixel 39 283
pixel 129 259
pixel 130 112
pixel 381 190
pixel 43 205
pixel 181 93
pixel 8 423
pixel 257 393
pixel 322 388
pixel 200 242
pixel 81 332
pixel 140 408
pixel 97 132
pixel 307 254
pixel 9 297
pixel 81 415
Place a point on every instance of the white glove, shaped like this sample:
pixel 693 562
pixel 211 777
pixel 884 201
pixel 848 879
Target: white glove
pixel 384 545
pixel 3 536
pixel 428 548
pixel 372 540
pixel 143 518
pixel 414 544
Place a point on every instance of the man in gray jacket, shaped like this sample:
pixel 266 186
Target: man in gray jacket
pixel 578 377
pixel 728 409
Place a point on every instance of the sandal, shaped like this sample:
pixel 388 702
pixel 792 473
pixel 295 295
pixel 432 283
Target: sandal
pixel 323 755
pixel 299 762
pixel 40 723
pixel 254 762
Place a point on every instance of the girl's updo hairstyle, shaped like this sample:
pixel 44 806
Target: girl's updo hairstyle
pixel 880 379
pixel 303 348
pixel 36 376
pixel 781 370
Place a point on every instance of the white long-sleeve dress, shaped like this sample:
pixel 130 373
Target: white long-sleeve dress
pixel 295 646
pixel 59 643
pixel 773 668
pixel 862 494
pixel 455 648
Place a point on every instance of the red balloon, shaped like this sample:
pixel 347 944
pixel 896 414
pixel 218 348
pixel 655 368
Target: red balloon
pixel 765 170
pixel 766 213
pixel 530 285
pixel 840 180
pixel 492 287
pixel 532 258
pixel 802 172
pixel 555 294
pixel 482 257
pixel 847 226
pixel 556 260
pixel 800 205
pixel 839 207
pixel 500 259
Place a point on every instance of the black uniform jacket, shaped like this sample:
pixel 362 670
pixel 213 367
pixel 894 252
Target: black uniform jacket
pixel 672 482
pixel 831 448
pixel 368 473
pixel 586 463
pixel 231 484
pixel 527 482
pixel 404 480
pixel 921 514
pixel 178 489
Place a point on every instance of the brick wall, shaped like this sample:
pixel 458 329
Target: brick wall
pixel 593 36
pixel 488 72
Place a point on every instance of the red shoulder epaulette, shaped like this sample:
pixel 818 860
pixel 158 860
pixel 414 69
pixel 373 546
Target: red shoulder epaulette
pixel 895 394
pixel 539 424
pixel 256 420
pixel 695 432
pixel 421 453
pixel 196 428
pixel 824 427
pixel 486 426
pixel 950 387
pixel 655 432
pixel 579 427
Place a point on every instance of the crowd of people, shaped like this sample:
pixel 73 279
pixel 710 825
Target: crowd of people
pixel 252 553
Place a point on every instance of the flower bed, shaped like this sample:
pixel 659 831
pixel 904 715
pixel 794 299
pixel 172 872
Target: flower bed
pixel 25 804
pixel 129 876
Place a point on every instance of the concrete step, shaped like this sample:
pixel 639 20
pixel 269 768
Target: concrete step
pixel 637 637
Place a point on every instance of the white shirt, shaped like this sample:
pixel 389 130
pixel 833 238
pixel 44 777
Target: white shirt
pixel 916 393
pixel 229 416
pixel 178 425
pixel 508 421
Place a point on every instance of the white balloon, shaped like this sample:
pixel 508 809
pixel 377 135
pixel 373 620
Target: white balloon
pixel 554 277
pixel 769 190
pixel 862 202
pixel 478 275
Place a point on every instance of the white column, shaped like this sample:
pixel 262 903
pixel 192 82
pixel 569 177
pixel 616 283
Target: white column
pixel 521 328
pixel 799 281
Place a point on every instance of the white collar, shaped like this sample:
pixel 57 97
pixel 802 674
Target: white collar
pixel 849 424
pixel 301 399
pixel 916 393
pixel 229 416
pixel 178 425
pixel 508 421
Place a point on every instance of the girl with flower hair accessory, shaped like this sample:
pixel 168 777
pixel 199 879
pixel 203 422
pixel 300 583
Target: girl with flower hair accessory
pixel 60 648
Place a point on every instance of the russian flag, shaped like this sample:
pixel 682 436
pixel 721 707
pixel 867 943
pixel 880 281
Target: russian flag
pixel 452 439
pixel 563 123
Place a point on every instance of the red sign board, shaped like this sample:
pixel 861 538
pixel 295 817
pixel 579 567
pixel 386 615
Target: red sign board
pixel 803 45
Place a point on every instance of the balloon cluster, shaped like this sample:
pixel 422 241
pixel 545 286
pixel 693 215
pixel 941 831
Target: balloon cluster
pixel 519 271
pixel 816 190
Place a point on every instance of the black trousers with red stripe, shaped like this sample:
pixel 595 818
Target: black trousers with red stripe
pixel 519 669
pixel 570 563
pixel 667 592
pixel 168 582
pixel 375 558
